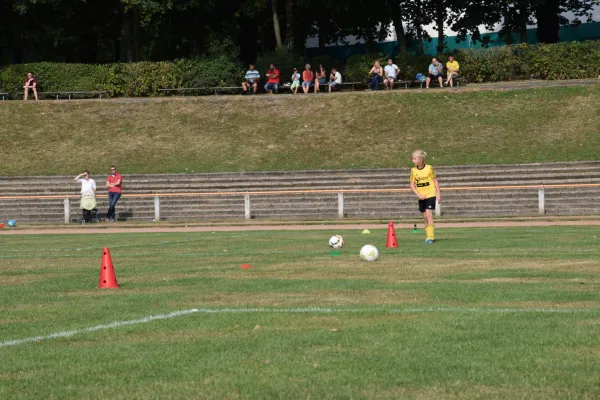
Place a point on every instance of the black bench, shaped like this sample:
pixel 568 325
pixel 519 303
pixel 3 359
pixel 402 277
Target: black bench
pixel 72 93
pixel 4 95
pixel 326 86
pixel 456 80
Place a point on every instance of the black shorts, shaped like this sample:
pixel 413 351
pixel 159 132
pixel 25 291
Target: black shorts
pixel 427 204
pixel 434 77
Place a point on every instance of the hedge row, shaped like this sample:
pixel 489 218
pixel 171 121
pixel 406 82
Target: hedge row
pixel 568 60
pixel 124 79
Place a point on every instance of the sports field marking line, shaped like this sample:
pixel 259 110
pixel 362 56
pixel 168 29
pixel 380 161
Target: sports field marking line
pixel 117 324
pixel 305 310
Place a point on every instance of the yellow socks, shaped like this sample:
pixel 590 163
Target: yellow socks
pixel 429 232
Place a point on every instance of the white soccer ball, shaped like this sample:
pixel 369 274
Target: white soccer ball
pixel 336 242
pixel 369 253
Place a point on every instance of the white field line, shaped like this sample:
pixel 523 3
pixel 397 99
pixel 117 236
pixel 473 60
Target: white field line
pixel 97 328
pixel 305 310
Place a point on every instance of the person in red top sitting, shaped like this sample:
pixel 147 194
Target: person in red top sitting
pixel 113 183
pixel 307 78
pixel 30 83
pixel 273 79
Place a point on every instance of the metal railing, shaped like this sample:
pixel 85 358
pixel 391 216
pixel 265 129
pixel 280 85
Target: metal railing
pixel 247 196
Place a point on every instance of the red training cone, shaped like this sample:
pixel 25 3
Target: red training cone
pixel 108 280
pixel 246 266
pixel 391 236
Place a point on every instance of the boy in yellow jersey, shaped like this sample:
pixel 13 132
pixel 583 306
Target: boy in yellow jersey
pixel 424 184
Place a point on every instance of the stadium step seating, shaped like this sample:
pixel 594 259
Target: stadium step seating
pixel 480 203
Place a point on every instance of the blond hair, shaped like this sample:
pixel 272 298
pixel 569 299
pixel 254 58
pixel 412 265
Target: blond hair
pixel 421 154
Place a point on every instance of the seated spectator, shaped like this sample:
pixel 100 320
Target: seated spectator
pixel 295 81
pixel 391 72
pixel 272 79
pixel 452 67
pixel 435 72
pixel 321 78
pixel 307 77
pixel 375 76
pixel 30 83
pixel 335 79
pixel 252 77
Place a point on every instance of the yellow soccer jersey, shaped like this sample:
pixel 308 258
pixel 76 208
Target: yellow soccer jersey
pixel 423 179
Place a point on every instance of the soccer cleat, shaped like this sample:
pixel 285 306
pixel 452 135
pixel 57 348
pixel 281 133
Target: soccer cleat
pixel 428 241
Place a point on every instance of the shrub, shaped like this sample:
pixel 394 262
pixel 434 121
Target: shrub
pixel 358 66
pixel 129 79
pixel 412 65
pixel 327 62
pixel 566 60
pixel 54 77
pixel 284 59
pixel 210 71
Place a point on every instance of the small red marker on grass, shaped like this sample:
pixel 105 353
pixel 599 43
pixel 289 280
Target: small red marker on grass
pixel 246 266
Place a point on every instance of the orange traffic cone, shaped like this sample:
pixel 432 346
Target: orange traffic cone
pixel 108 280
pixel 391 236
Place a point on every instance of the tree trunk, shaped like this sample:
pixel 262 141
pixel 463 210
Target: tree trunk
pixel 439 16
pixel 523 30
pixel 507 31
pixel 547 15
pixel 396 14
pixel 420 50
pixel 289 22
pixel 136 35
pixel 127 36
pixel 276 24
pixel 523 18
pixel 322 36
pixel 117 32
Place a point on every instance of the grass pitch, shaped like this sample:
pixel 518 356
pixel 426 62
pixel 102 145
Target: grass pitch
pixel 492 313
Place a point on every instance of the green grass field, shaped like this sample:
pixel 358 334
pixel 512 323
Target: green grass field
pixel 346 130
pixel 483 313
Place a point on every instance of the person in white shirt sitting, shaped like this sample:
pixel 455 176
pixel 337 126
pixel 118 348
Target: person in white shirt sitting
pixel 335 79
pixel 391 72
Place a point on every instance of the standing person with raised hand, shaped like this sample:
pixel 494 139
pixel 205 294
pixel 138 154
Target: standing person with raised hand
pixel 113 183
pixel 424 184
pixel 87 183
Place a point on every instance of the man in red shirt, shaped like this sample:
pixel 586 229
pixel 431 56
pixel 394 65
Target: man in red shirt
pixel 30 83
pixel 113 183
pixel 273 79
